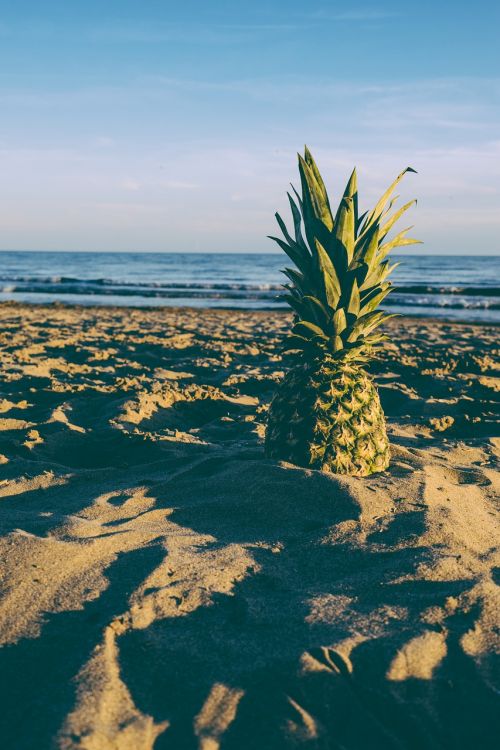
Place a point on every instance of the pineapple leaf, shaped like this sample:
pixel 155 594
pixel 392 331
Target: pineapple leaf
pixel 363 326
pixel 388 208
pixel 360 222
pixel 292 252
pixel 308 330
pixel 297 219
pixel 299 199
pixel 367 248
pixel 340 274
pixel 344 226
pixel 391 268
pixel 329 276
pixel 360 272
pixel 376 338
pixel 295 303
pixel 283 228
pixel 337 253
pixel 338 344
pixel 375 300
pixel 354 301
pixel 321 310
pixel 296 278
pixel 377 275
pixel 379 207
pixel 299 247
pixel 351 191
pixel 313 198
pixel 368 294
pixel 390 223
pixel 295 342
pixel 339 321
pixel 399 241
pixel 314 169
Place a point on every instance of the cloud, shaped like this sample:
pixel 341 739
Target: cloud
pixel 130 185
pixel 179 185
pixel 215 34
pixel 80 204
pixel 359 15
pixel 233 33
pixel 103 141
pixel 174 161
pixel 443 102
pixel 150 182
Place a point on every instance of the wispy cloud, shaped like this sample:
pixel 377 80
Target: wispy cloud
pixel 354 15
pixel 234 33
pixel 150 182
pixel 227 34
pixel 450 91
pixel 178 185
pixel 146 114
pixel 130 185
pixel 233 193
pixel 103 141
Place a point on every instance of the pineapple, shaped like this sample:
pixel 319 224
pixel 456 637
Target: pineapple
pixel 327 412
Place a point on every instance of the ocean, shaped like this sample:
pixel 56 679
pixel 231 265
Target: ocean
pixel 453 287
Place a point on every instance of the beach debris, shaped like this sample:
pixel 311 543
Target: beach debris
pixel 440 424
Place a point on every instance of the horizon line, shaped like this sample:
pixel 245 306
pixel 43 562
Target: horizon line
pixel 233 252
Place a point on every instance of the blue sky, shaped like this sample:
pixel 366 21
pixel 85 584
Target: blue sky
pixel 174 126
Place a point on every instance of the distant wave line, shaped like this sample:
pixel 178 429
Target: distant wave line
pixel 402 300
pixel 70 285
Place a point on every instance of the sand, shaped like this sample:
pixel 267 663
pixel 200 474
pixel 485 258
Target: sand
pixel 164 585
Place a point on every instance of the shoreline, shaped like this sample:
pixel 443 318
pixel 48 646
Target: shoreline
pixel 265 311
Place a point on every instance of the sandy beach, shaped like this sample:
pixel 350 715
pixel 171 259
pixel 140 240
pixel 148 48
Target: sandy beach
pixel 164 585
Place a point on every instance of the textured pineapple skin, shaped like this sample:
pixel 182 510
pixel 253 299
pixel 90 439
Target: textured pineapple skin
pixel 327 415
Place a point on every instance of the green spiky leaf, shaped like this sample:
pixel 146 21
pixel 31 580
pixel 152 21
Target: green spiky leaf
pixel 297 220
pixel 386 228
pixel 354 299
pixel 380 206
pixel 339 321
pixel 314 200
pixel 331 283
pixel 308 330
pixel 341 272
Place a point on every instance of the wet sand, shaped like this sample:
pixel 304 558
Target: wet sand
pixel 164 585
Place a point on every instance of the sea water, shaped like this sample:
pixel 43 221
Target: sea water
pixel 444 286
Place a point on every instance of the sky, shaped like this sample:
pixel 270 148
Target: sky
pixel 174 126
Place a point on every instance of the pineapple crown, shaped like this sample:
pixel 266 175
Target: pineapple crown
pixel 341 272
